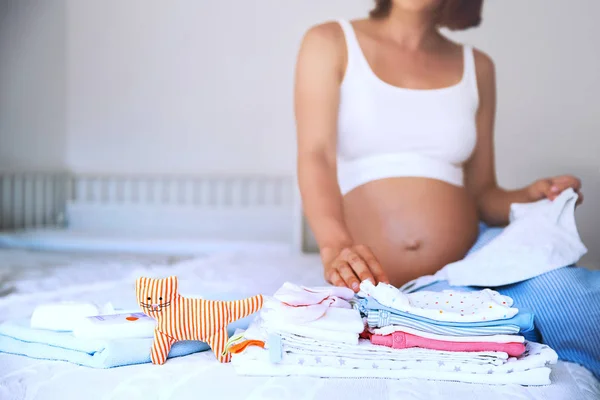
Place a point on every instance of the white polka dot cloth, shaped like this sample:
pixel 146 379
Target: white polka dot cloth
pixel 449 305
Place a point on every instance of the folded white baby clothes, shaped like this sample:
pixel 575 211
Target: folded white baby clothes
pixel 387 330
pixel 529 369
pixel 274 309
pixel 532 377
pixel 336 325
pixel 365 350
pixel 299 304
pixel 330 347
pixel 541 237
pixel 448 305
pixel 537 356
pixel 66 315
pixel 296 342
pixel 321 335
pixel 339 320
pixel 294 295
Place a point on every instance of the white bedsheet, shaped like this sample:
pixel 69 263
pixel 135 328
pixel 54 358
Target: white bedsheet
pixel 33 277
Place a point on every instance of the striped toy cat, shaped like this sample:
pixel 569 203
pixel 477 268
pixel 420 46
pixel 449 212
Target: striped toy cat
pixel 179 318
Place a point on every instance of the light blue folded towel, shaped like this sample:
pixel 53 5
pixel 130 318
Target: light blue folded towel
pixel 17 337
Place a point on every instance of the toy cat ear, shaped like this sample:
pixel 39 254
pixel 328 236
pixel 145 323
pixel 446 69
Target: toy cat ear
pixel 172 283
pixel 139 284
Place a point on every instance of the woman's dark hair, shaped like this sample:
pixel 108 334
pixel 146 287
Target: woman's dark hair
pixel 454 14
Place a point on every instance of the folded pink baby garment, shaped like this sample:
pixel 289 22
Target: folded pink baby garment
pixel 298 304
pixel 401 340
pixel 294 295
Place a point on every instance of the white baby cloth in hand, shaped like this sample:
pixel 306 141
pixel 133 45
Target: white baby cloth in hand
pixel 541 237
pixel 448 305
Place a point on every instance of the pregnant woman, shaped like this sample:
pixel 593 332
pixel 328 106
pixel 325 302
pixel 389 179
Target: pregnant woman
pixel 396 161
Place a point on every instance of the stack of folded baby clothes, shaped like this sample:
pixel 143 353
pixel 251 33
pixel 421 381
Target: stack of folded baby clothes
pixel 384 333
pixel 298 317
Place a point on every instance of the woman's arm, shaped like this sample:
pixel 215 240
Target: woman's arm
pixel 318 75
pixel 319 72
pixel 480 175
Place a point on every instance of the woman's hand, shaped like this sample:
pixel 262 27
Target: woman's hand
pixel 550 188
pixel 351 265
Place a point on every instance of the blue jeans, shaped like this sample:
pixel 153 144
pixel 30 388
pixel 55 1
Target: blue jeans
pixel 566 305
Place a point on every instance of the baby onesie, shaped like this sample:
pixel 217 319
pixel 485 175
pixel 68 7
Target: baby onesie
pixel 540 238
pixel 383 318
pixel 490 338
pixel 401 340
pixel 298 304
pixel 294 295
pixel 448 306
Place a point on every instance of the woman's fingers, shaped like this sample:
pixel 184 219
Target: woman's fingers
pixel 544 186
pixel 559 186
pixel 360 267
pixel 349 276
pixel 569 181
pixel 335 279
pixel 353 266
pixel 561 183
pixel 374 266
pixel 551 188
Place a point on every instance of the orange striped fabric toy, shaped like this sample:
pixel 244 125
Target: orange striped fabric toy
pixel 179 318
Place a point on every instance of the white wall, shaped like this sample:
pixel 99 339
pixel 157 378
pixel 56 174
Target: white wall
pixel 190 86
pixel 548 61
pixel 186 86
pixel 32 84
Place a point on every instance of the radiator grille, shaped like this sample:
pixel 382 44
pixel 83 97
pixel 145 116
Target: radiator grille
pixel 32 200
pixel 211 192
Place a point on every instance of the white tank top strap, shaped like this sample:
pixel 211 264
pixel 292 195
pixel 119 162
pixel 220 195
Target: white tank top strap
pixel 470 73
pixel 353 48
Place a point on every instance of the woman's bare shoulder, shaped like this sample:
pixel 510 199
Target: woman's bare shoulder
pixel 484 65
pixel 323 45
pixel 324 36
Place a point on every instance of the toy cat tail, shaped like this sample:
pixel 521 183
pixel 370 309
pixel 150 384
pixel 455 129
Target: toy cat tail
pixel 179 318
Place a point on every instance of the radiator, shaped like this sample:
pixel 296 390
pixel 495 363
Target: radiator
pixel 221 208
pixel 230 208
pixel 32 200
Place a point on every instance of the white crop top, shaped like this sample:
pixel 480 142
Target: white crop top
pixel 385 131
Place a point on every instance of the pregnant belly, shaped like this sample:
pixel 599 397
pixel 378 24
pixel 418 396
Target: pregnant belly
pixel 414 226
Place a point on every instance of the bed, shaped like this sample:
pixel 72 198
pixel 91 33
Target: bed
pixel 31 277
pixel 81 237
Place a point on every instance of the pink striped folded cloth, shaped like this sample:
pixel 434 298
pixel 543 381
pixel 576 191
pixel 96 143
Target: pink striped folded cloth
pixel 401 340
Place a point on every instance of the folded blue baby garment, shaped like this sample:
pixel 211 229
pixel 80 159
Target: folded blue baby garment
pixel 524 319
pixel 383 318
